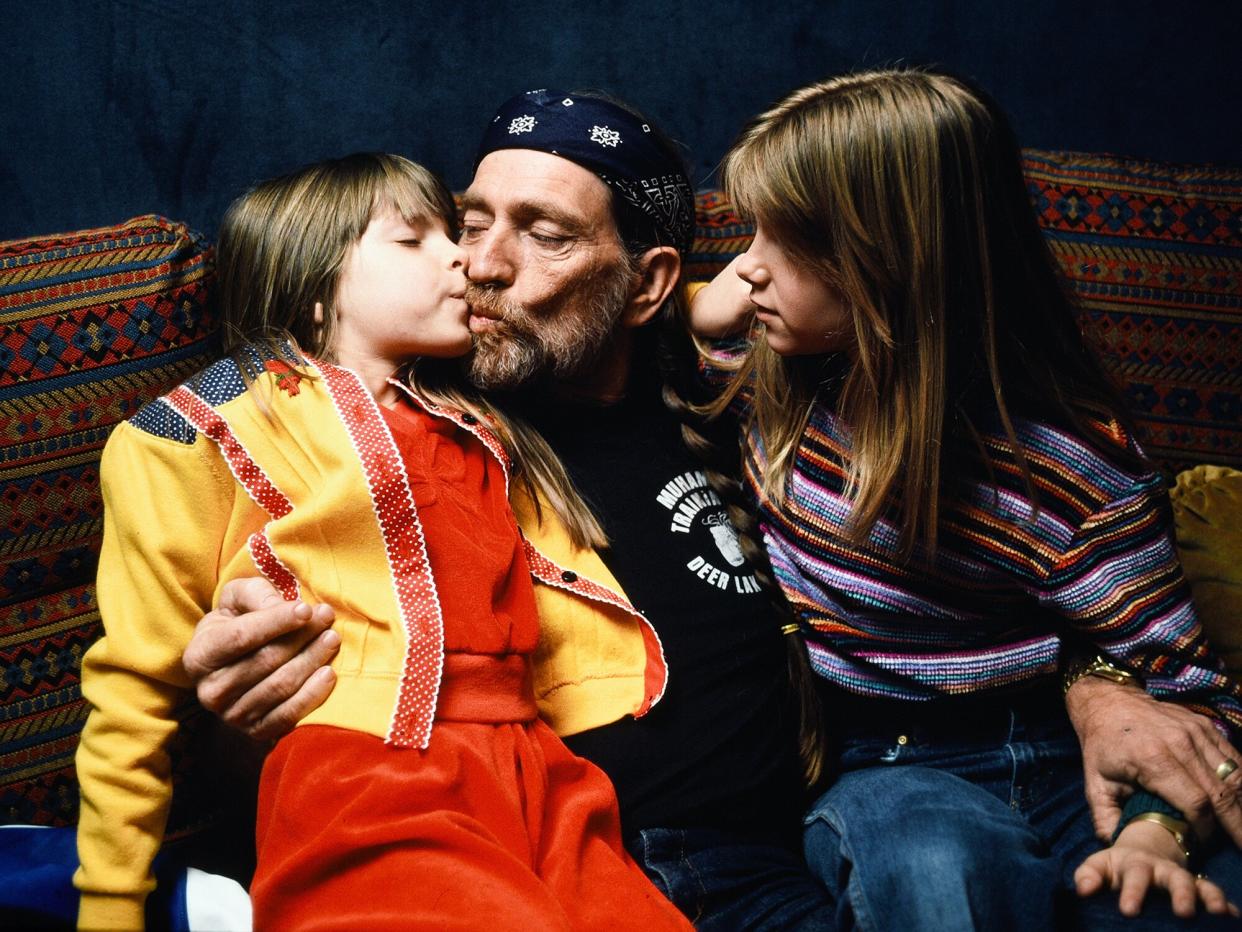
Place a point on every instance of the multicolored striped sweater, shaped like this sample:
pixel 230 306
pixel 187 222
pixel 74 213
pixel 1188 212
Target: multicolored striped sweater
pixel 992 608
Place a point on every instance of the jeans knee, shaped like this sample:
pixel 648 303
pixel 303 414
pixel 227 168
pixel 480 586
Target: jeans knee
pixel 942 852
pixel 937 846
pixel 911 847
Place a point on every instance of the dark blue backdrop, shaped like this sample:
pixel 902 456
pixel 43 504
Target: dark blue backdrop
pixel 119 107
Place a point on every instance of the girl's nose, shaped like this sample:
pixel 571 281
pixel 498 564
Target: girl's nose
pixel 751 270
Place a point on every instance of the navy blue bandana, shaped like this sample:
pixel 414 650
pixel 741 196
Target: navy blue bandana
pixel 608 141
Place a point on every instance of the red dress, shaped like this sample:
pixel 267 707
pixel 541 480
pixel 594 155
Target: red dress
pixel 495 824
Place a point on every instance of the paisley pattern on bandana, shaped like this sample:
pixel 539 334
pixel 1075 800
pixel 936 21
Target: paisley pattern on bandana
pixel 607 140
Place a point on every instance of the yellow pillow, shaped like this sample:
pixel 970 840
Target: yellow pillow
pixel 1207 512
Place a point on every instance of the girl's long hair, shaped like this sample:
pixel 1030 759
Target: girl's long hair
pixel 281 249
pixel 670 342
pixel 283 243
pixel 536 467
pixel 903 190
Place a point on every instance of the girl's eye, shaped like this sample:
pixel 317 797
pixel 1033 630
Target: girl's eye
pixel 411 242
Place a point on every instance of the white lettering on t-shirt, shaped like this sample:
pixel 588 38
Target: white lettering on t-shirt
pixel 696 506
pixel 675 488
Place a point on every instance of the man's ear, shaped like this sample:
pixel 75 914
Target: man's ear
pixel 660 267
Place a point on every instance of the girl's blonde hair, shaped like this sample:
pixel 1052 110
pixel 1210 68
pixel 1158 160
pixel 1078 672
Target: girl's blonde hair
pixel 281 249
pixel 903 190
pixel 283 243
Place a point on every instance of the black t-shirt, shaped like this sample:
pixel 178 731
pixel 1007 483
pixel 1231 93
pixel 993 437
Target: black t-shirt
pixel 718 749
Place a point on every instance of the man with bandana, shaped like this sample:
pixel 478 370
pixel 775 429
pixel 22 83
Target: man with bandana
pixel 574 227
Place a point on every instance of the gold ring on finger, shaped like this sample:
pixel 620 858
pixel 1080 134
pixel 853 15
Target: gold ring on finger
pixel 1226 767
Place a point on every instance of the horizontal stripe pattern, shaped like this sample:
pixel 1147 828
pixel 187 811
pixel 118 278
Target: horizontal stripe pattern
pixel 990 610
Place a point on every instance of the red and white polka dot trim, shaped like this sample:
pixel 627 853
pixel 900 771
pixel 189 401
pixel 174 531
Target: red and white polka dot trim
pixel 270 566
pixel 466 422
pixel 250 477
pixel 417 599
pixel 245 470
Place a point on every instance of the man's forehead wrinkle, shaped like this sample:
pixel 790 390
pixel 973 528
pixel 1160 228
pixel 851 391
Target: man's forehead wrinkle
pixel 543 181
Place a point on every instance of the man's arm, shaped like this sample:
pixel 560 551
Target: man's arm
pixel 259 662
pixel 1130 739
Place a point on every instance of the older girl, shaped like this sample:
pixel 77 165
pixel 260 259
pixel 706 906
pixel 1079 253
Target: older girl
pixel 954 502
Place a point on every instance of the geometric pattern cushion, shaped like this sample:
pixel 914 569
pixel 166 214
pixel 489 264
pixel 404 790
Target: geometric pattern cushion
pixel 1153 254
pixel 93 325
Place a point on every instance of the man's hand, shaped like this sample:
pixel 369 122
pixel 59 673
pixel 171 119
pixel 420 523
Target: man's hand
pixel 258 661
pixel 1130 739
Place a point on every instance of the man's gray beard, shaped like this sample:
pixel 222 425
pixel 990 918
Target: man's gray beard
pixel 522 346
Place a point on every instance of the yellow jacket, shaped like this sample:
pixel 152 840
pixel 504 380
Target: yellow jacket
pixel 294 479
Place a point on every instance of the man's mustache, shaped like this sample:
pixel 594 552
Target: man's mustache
pixel 487 303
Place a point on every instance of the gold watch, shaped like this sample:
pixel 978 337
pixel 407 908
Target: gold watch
pixel 1097 666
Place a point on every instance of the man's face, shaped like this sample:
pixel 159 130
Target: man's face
pixel 548 276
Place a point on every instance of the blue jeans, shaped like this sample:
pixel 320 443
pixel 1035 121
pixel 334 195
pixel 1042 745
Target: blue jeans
pixel 971 821
pixel 727 881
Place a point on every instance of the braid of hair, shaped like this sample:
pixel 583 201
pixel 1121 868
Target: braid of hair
pixel 722 462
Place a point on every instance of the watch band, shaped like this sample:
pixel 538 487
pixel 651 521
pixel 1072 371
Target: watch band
pixel 1098 666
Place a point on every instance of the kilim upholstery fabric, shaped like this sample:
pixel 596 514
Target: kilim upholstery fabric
pixel 95 324
pixel 1154 254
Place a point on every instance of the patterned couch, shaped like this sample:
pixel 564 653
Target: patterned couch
pixel 94 324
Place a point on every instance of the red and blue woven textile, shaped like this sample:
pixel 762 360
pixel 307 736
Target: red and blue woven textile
pixel 93 325
pixel 1153 252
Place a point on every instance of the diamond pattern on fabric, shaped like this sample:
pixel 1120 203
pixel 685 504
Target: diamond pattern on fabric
pixel 94 325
